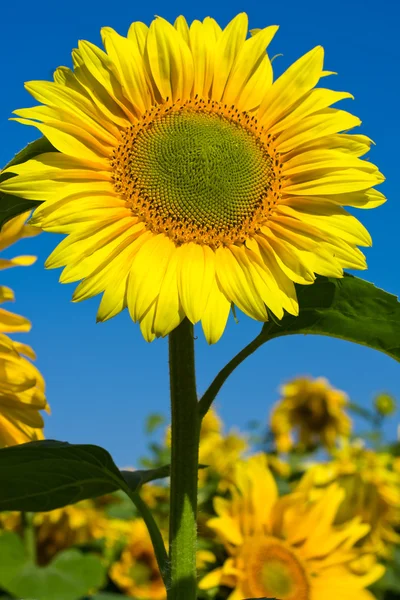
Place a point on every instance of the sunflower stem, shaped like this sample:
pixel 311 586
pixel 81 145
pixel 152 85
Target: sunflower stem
pixel 210 394
pixel 185 425
pixel 29 535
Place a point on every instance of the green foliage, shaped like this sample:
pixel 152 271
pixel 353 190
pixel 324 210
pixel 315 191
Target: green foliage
pixel 12 206
pixel 41 476
pixel 69 576
pixel 350 308
pixel 153 422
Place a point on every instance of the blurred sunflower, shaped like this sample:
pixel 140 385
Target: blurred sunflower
pixel 371 486
pixel 22 388
pixel 285 548
pixel 312 409
pixel 136 572
pixel 188 180
pixel 219 451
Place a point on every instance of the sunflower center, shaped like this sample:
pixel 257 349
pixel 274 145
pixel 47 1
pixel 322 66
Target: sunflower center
pixel 197 172
pixel 275 571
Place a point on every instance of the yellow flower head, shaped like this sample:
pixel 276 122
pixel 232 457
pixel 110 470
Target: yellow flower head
pixel 188 180
pixel 312 409
pixel 372 492
pixel 21 384
pixel 219 451
pixel 136 572
pixel 285 548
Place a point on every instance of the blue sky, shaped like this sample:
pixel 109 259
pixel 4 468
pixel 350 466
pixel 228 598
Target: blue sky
pixel 103 380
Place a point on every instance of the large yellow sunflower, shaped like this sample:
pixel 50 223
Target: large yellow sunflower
pixel 285 548
pixel 188 180
pixel 313 411
pixel 21 384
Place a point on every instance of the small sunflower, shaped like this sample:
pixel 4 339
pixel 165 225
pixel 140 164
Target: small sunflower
pixel 22 388
pixel 372 492
pixel 285 548
pixel 188 181
pixel 312 409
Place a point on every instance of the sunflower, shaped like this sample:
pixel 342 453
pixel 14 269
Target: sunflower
pixel 285 548
pixel 219 451
pixel 314 410
pixel 189 181
pixel 136 572
pixel 22 388
pixel 371 486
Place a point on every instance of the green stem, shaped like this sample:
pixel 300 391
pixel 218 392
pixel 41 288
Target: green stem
pixel 185 425
pixel 28 530
pixel 155 534
pixel 210 394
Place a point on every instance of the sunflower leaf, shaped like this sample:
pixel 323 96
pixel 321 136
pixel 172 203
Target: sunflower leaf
pixel 41 476
pixel 68 577
pixel 12 206
pixel 350 308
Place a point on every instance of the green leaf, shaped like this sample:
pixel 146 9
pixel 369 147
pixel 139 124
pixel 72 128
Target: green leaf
pixel 12 206
pixel 135 479
pixel 41 476
pixel 69 576
pixel 350 308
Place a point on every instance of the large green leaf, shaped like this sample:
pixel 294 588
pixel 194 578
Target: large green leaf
pixel 41 476
pixel 69 576
pixel 350 308
pixel 12 206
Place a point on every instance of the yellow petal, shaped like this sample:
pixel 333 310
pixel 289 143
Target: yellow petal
pixel 248 60
pixel 99 66
pixel 355 144
pixel 289 262
pixel 71 140
pixel 256 87
pixel 196 273
pixel 312 102
pixel 215 314
pixel 11 323
pixel 147 273
pixel 320 124
pixel 137 33
pixel 168 311
pixel 296 81
pixel 227 49
pixel 6 294
pixel 328 217
pixel 182 28
pixel 18 261
pixel 237 285
pixel 303 165
pixel 203 40
pixel 72 104
pixel 170 61
pixel 129 69
pixel 335 182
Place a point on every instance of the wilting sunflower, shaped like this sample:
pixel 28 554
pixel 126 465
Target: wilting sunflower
pixel 189 181
pixel 285 548
pixel 21 384
pixel 313 411
pixel 372 492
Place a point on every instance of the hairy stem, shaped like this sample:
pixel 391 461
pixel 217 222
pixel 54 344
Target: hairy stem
pixel 184 464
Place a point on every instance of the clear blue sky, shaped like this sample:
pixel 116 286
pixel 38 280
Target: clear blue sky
pixel 102 380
